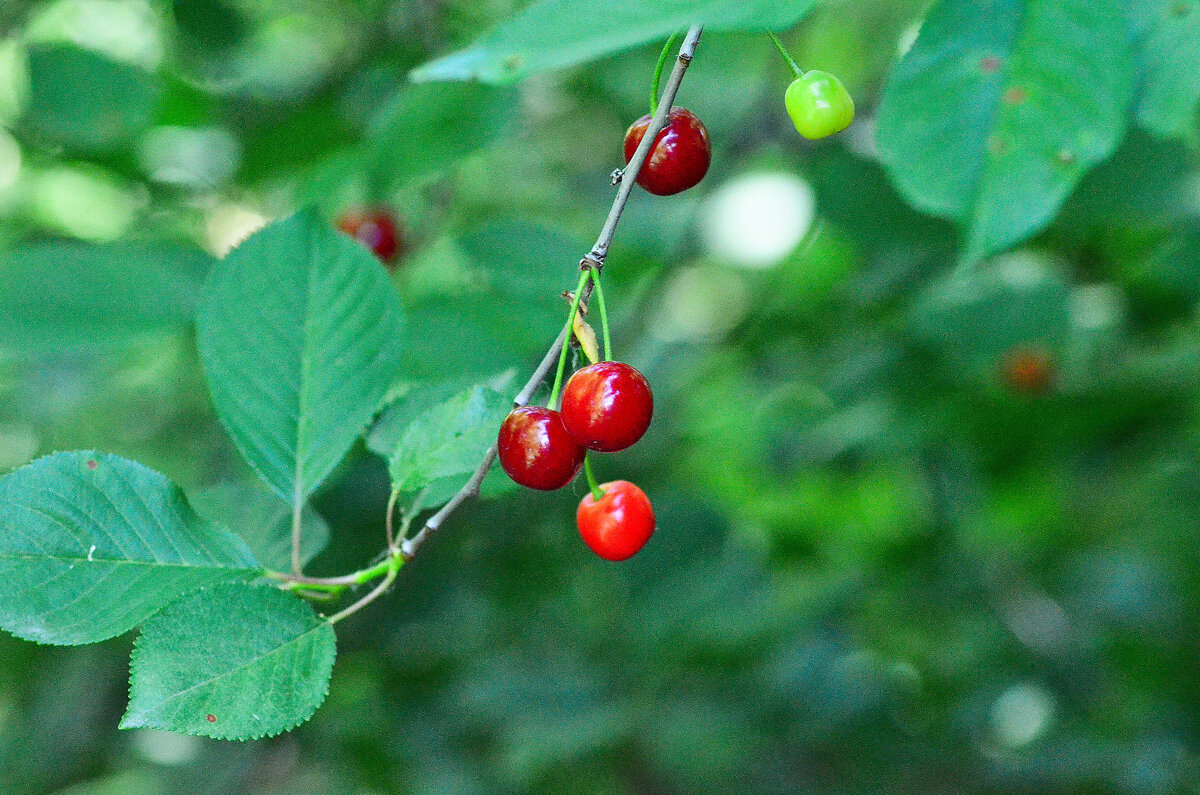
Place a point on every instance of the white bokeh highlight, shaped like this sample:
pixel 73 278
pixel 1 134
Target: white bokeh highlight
pixel 755 220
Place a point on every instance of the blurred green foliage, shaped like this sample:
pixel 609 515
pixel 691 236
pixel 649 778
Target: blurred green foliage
pixel 878 566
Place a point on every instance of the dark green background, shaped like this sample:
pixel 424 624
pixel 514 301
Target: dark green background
pixel 877 566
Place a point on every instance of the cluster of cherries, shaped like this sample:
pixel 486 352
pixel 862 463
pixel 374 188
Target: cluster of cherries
pixel 605 407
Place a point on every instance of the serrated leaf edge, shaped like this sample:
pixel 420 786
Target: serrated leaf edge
pixel 135 654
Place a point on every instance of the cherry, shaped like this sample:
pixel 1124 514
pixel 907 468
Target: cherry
pixel 607 406
pixel 680 155
pixel 535 449
pixel 818 104
pixel 374 228
pixel 617 525
pixel 1028 370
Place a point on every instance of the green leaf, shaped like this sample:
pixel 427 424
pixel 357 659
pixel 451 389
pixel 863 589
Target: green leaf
pixel 447 438
pixel 87 101
pixel 92 544
pixel 974 319
pixel 235 662
pixel 584 30
pixel 299 332
pixel 1170 61
pixel 999 109
pixel 539 262
pixel 69 295
pixel 427 128
pixel 263 521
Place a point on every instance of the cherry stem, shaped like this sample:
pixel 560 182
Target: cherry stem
pixel 658 70
pixel 597 494
pixel 786 55
pixel 562 356
pixel 603 317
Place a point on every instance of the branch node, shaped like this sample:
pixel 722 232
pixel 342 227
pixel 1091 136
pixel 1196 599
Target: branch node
pixel 616 175
pixel 592 262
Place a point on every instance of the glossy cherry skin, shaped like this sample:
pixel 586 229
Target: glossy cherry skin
pixel 818 104
pixel 680 155
pixel 619 524
pixel 535 449
pixel 607 406
pixel 374 228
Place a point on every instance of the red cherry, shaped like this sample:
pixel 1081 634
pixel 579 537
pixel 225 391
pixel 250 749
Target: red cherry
pixel 374 228
pixel 680 155
pixel 607 406
pixel 619 524
pixel 535 449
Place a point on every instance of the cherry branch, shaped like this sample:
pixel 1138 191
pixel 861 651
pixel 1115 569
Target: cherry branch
pixel 594 259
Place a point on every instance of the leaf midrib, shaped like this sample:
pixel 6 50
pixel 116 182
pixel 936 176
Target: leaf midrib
pixel 125 561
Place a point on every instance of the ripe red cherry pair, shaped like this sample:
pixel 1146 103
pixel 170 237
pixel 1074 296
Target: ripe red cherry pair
pixel 605 407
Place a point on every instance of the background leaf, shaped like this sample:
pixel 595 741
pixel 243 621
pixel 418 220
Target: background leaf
pixel 1170 61
pixel 263 521
pixel 448 438
pixel 92 544
pixel 235 662
pixel 427 128
pixel 588 29
pixel 71 295
pixel 87 101
pixel 975 319
pixel 1001 106
pixel 299 333
pixel 436 434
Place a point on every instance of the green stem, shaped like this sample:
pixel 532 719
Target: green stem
pixel 597 494
pixel 658 70
pixel 786 55
pixel 562 356
pixel 330 590
pixel 366 575
pixel 603 316
pixel 393 568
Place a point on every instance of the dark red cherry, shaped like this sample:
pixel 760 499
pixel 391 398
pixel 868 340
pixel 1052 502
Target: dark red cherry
pixel 617 525
pixel 374 228
pixel 680 155
pixel 1028 369
pixel 607 406
pixel 535 449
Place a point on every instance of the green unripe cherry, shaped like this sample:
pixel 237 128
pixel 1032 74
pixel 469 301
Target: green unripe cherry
pixel 819 104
